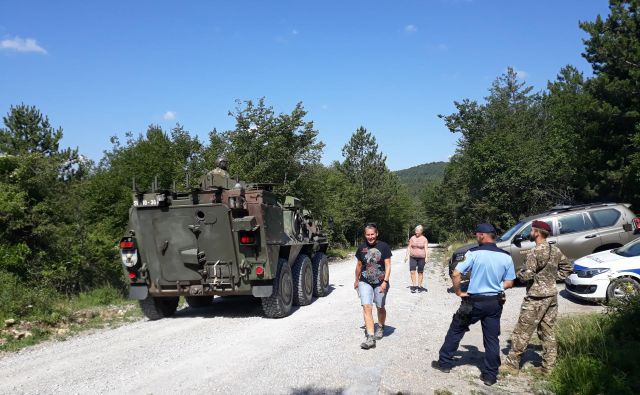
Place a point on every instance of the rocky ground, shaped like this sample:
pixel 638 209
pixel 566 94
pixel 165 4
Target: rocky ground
pixel 231 348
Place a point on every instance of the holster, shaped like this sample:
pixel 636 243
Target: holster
pixel 502 298
pixel 464 312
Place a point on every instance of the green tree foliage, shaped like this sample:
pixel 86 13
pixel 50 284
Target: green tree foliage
pixel 43 230
pixel 578 141
pixel 27 131
pixel 269 148
pixel 371 192
pixel 156 155
pixel 418 177
pixel 500 170
pixel 613 49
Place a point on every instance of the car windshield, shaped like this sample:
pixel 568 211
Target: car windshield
pixel 510 232
pixel 629 249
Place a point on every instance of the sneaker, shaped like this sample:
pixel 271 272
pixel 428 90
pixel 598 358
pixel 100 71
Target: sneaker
pixel 436 365
pixel 379 334
pixel 422 289
pixel 413 289
pixel 486 380
pixel 369 342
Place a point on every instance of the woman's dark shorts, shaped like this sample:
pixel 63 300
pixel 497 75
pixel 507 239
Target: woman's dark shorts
pixel 416 263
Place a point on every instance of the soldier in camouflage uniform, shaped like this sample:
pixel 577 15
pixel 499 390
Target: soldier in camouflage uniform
pixel 545 265
pixel 222 165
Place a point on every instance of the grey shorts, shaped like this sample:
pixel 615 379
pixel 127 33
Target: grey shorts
pixel 416 263
pixel 370 295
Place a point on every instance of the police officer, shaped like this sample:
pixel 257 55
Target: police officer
pixel 491 273
pixel 545 265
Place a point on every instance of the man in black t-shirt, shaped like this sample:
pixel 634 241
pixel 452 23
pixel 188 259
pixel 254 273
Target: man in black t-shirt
pixel 372 282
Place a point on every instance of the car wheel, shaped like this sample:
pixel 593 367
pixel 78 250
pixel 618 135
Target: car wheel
pixel 622 288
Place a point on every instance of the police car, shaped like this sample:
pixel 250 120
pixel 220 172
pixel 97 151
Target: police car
pixel 607 275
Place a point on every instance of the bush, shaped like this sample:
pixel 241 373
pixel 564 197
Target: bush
pixel 103 296
pixel 29 303
pixel 599 353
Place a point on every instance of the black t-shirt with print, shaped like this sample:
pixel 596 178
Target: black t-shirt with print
pixel 372 258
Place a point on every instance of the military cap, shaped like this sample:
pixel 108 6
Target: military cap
pixel 541 225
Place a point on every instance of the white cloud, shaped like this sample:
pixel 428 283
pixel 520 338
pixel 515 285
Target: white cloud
pixel 169 115
pixel 410 29
pixel 19 44
pixel 522 74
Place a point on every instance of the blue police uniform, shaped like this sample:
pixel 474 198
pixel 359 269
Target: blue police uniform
pixel 489 266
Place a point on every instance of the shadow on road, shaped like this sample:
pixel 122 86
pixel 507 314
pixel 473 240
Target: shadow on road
pixel 566 295
pixel 388 329
pixel 234 307
pixel 532 354
pixel 473 356
pixel 226 306
pixel 316 391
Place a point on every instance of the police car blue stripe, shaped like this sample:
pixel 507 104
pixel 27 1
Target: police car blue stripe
pixel 636 271
pixel 578 267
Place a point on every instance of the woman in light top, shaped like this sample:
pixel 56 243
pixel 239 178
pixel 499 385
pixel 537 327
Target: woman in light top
pixel 417 254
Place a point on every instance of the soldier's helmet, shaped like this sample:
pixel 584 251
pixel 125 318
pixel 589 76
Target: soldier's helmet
pixel 222 162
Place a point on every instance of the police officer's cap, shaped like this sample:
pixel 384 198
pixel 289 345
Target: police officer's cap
pixel 541 225
pixel 485 228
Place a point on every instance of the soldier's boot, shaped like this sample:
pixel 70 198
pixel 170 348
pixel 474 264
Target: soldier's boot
pixel 369 342
pixel 508 369
pixel 510 365
pixel 548 363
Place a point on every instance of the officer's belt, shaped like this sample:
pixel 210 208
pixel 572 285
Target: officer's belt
pixel 483 297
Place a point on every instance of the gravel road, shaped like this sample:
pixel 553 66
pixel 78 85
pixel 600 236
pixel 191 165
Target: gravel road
pixel 230 348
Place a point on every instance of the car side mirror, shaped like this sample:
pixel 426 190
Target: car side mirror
pixel 518 240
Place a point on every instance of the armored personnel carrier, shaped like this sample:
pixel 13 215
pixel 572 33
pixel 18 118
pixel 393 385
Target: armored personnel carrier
pixel 222 238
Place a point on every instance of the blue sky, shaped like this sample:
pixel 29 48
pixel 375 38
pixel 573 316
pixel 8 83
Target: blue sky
pixel 102 69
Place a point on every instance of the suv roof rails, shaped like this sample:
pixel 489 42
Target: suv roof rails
pixel 564 208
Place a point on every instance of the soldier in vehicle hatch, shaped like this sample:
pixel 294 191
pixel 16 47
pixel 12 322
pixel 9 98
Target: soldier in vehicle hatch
pixel 545 265
pixel 222 166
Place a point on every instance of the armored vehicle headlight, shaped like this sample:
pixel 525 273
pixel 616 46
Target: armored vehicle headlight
pixel 129 258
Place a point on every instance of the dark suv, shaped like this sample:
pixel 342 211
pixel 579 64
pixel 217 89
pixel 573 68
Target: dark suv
pixel 577 230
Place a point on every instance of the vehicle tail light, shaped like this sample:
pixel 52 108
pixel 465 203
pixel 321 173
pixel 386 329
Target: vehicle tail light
pixel 247 239
pixel 126 245
pixel 259 271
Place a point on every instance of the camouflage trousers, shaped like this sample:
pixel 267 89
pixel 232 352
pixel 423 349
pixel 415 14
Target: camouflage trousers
pixel 540 314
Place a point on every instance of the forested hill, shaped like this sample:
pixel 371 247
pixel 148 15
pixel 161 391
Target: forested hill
pixel 417 177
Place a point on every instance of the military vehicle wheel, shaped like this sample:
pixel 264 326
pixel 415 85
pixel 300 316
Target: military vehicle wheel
pixel 155 308
pixel 320 267
pixel 302 281
pixel 279 304
pixel 196 302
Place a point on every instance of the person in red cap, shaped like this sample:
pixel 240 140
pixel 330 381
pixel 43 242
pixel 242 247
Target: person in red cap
pixel 545 265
